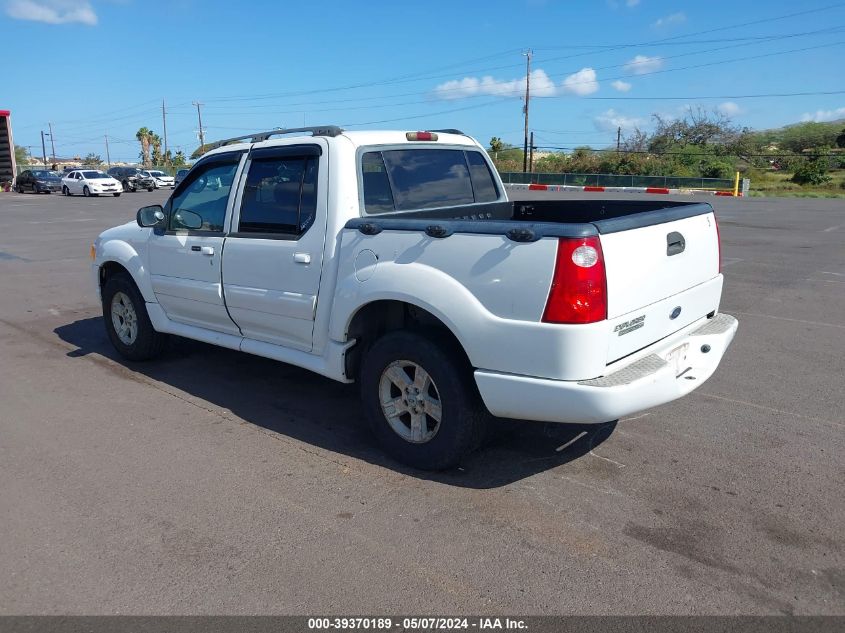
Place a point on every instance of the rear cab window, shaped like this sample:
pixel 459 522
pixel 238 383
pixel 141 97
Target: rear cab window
pixel 409 179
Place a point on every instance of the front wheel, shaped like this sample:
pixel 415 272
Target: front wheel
pixel 116 195
pixel 421 400
pixel 65 191
pixel 127 322
pixel 86 192
pixel 150 189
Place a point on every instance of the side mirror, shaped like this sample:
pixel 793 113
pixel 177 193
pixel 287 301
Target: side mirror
pixel 187 219
pixel 152 215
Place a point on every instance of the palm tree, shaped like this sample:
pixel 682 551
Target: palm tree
pixel 143 135
pixel 155 142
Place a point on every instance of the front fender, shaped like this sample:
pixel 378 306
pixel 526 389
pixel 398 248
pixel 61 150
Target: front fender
pixel 125 254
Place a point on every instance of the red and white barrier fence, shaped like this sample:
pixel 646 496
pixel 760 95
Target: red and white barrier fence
pixel 666 190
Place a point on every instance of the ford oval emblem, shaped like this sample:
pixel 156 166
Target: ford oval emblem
pixel 675 313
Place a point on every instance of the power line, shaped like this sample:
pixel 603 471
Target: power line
pixel 617 47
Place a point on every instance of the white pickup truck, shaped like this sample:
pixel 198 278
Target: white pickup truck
pixel 395 259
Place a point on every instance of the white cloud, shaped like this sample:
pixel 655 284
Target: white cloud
pixel 621 86
pixel 824 115
pixel 581 83
pixel 671 20
pixel 643 64
pixel 729 108
pixel 610 120
pixel 541 86
pixel 52 11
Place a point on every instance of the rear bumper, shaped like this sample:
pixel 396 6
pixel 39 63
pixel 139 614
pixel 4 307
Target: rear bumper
pixel 645 383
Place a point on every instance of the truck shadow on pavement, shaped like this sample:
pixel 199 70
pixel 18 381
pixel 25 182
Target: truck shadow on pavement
pixel 301 405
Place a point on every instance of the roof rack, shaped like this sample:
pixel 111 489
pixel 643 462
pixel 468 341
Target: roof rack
pixel 257 137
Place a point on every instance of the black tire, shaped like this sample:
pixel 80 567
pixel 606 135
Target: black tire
pixel 116 195
pixel 148 343
pixel 463 416
pixel 86 191
pixel 150 189
pixel 65 191
pixel 125 185
pixel 19 189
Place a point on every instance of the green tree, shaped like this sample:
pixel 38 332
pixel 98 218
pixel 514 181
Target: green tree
pixel 144 137
pixel 155 145
pixel 808 135
pixel 179 159
pixel 92 159
pixel 813 171
pixel 496 145
pixel 20 155
pixel 840 140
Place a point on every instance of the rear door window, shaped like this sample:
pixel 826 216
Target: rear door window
pixel 411 179
pixel 280 196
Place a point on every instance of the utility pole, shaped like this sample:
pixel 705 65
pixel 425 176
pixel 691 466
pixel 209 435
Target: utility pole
pixel 199 118
pixel 43 149
pixel 52 141
pixel 108 158
pixel 525 108
pixel 164 124
pixel 531 155
pixel 618 138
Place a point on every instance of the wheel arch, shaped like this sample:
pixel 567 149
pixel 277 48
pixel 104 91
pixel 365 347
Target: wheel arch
pixel 116 257
pixel 378 317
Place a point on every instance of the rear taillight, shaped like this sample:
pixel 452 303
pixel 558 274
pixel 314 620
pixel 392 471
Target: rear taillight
pixel 718 241
pixel 579 286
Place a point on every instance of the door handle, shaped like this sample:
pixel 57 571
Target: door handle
pixel 207 250
pixel 302 258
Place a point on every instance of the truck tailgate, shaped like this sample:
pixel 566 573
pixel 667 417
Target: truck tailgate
pixel 670 268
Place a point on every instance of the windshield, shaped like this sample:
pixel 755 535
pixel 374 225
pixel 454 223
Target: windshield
pixel 158 174
pixel 181 173
pixel 43 174
pixel 94 174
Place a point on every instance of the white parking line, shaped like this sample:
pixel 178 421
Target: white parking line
pixel 831 228
pixel 827 272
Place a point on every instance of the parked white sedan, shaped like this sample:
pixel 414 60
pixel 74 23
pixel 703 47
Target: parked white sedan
pixel 90 182
pixel 160 178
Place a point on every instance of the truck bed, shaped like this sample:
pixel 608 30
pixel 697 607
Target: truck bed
pixel 531 220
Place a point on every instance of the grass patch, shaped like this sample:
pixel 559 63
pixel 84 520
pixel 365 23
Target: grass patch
pixel 778 183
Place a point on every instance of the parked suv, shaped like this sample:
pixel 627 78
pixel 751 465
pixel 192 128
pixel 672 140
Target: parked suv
pixel 131 178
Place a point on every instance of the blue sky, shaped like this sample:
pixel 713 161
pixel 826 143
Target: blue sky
pixel 96 67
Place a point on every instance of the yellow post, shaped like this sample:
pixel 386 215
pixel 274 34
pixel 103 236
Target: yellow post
pixel 736 186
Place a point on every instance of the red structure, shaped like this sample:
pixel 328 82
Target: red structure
pixel 7 151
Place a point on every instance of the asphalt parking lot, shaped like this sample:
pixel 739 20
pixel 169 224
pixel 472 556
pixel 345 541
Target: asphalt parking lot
pixel 210 481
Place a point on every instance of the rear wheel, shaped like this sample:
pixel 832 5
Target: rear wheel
pixel 421 401
pixel 127 322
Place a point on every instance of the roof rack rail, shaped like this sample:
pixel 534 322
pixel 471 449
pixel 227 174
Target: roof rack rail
pixel 257 137
pixel 449 131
